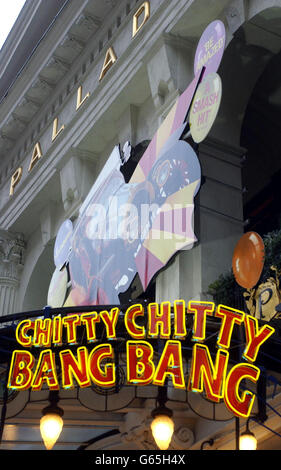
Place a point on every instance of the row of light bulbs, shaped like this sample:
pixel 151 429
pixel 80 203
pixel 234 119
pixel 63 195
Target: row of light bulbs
pixel 162 427
pixel 51 425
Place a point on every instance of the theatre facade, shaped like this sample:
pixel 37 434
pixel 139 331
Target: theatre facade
pixel 107 107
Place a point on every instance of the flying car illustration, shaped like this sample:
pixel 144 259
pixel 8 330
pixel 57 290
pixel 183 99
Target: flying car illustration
pixel 134 227
pixel 129 226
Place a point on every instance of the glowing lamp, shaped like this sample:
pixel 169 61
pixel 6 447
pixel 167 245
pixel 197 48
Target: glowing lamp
pixel 247 441
pixel 162 427
pixel 51 424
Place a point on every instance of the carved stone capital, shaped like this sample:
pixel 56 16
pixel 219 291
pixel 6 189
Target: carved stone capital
pixel 12 247
pixel 182 438
pixel 136 432
pixel 140 437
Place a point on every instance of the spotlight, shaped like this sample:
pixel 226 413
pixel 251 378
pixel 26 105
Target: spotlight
pixel 51 423
pixel 162 426
pixel 247 440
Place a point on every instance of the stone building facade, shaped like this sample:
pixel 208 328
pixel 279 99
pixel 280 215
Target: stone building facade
pixel 76 80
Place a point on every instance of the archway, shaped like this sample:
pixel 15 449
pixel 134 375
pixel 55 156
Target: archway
pixel 260 135
pixel 254 47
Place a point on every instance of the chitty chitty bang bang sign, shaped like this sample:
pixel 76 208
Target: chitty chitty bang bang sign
pixel 208 371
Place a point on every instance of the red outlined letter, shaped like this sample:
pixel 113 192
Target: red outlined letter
pixel 71 322
pixel 57 331
pixel 110 320
pixel 137 332
pixel 201 310
pixel 229 316
pixel 240 405
pixel 104 377
pixel 75 367
pixel 20 373
pixel 179 319
pixel 21 331
pixel 159 324
pixel 170 363
pixel 90 319
pixel 43 332
pixel 140 368
pixel 45 371
pixel 255 337
pixel 204 375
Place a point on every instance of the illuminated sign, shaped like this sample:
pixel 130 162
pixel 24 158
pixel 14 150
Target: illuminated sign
pixel 207 100
pixel 210 48
pixel 205 107
pixel 214 376
pixel 125 229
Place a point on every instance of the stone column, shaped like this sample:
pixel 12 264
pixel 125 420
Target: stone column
pixel 77 175
pixel 12 248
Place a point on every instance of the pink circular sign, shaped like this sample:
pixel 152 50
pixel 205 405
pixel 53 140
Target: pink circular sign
pixel 210 48
pixel 205 107
pixel 63 243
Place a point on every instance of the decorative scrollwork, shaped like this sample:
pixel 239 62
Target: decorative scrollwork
pixel 12 247
pixel 182 438
pixel 120 382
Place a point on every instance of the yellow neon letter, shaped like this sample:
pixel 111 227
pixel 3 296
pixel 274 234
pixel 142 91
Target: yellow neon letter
pixel 159 324
pixel 170 363
pixel 240 405
pixel 45 371
pixel 79 368
pixel 255 337
pixel 20 373
pixel 110 320
pixel 22 328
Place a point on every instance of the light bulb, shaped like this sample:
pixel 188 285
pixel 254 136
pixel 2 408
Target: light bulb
pixel 247 441
pixel 162 428
pixel 50 427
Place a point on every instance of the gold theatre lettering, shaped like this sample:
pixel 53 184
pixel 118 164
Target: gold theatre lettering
pixel 140 17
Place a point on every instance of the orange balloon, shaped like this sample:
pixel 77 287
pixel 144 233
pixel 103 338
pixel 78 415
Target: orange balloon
pixel 248 260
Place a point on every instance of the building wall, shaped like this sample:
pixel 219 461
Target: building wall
pixel 151 70
pixel 129 103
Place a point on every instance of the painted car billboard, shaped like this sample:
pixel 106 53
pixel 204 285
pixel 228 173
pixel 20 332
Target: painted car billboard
pixel 134 227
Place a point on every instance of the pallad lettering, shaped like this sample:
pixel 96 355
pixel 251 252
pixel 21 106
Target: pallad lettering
pixel 209 374
pixel 139 19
